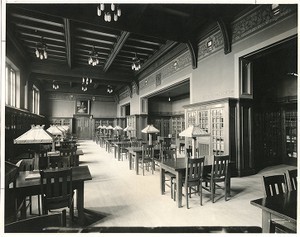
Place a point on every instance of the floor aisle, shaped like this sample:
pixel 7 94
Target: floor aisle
pixel 125 199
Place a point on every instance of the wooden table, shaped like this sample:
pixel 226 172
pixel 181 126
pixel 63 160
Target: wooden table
pixel 178 168
pixel 117 147
pixel 282 206
pixel 135 153
pixel 32 187
pixel 175 167
pixel 79 152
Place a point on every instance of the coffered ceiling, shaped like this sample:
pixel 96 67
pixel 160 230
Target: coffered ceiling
pixel 70 32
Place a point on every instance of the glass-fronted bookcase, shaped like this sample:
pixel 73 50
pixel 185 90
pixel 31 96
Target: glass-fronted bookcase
pixel 214 119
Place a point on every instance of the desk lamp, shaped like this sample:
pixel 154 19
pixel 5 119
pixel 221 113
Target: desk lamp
pixel 194 132
pixel 150 129
pixel 36 135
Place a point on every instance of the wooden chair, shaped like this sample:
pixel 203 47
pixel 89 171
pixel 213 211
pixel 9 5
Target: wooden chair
pixel 169 155
pixel 37 224
pixel 193 178
pixel 218 174
pixel 147 158
pixel 291 179
pixel 189 152
pixel 28 165
pixel 13 205
pixel 123 151
pixel 71 152
pixel 274 184
pixel 56 190
pixel 59 162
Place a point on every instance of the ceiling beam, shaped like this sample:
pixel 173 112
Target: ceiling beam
pixel 119 44
pixel 96 73
pixel 162 51
pixel 68 33
pixel 72 81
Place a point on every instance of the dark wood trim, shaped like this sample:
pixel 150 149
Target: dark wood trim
pixel 62 70
pixel 193 49
pixel 68 33
pixel 225 33
pixel 120 42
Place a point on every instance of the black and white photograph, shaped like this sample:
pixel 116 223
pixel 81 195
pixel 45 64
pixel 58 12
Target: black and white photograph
pixel 149 118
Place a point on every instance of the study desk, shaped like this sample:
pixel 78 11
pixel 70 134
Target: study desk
pixel 118 145
pixel 178 167
pixel 282 206
pixel 135 153
pixel 32 187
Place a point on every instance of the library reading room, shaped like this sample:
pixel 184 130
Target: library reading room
pixel 149 117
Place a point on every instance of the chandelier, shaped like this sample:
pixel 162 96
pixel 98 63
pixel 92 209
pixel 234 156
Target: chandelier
pixel 93 58
pixel 112 11
pixel 136 65
pixel 55 85
pixel 41 50
pixel 109 89
pixel 85 83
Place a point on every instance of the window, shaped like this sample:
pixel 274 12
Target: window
pixel 12 86
pixel 35 100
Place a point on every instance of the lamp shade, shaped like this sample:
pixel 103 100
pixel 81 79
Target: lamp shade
pixel 66 127
pixel 193 131
pixel 35 135
pixel 117 127
pixel 129 129
pixel 150 129
pixel 104 127
pixel 54 130
pixel 109 127
pixel 100 127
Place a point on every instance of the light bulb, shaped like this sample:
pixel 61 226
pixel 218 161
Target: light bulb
pixel 37 53
pixel 108 17
pixel 98 11
pixel 112 7
pixel 115 17
pixel 41 56
pixel 45 54
pixel 119 12
pixel 102 6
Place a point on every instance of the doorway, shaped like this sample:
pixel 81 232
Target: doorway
pixel 274 80
pixel 83 128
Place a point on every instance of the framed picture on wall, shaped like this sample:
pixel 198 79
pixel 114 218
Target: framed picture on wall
pixel 82 107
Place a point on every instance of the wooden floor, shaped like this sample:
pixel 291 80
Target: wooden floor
pixel 125 199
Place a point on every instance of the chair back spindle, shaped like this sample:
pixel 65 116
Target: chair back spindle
pixel 274 184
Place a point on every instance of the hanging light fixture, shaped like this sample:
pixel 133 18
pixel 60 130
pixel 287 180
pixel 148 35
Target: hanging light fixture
pixel 93 57
pixel 109 12
pixel 109 89
pixel 41 50
pixel 55 85
pixel 85 82
pixel 136 65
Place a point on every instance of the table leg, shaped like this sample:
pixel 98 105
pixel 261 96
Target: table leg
pixel 136 163
pixel 130 161
pixel 179 188
pixel 115 152
pixel 162 181
pixel 80 203
pixel 266 218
